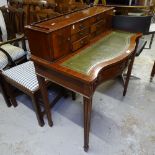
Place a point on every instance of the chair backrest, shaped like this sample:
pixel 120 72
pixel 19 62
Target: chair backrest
pixel 14 21
pixel 9 22
pixel 0 35
pixel 3 28
pixel 132 23
pixel 19 19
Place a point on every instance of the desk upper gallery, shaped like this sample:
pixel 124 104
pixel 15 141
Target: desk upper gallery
pixel 79 51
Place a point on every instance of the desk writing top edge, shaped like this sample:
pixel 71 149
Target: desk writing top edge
pixel 47 29
pixel 107 48
pixel 56 66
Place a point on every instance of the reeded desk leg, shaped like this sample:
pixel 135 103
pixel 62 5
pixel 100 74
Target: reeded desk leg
pixel 87 117
pixel 152 72
pixel 44 92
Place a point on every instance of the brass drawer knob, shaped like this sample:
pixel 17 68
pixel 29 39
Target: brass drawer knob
pixel 82 42
pixel 81 26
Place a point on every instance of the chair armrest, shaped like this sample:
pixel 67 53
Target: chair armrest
pixel 13 40
pixel 140 47
pixel 151 29
pixel 147 33
pixel 10 61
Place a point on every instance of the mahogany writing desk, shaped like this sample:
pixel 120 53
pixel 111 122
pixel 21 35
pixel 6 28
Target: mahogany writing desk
pixel 80 52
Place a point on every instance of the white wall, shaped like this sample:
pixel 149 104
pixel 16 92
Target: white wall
pixel 3 2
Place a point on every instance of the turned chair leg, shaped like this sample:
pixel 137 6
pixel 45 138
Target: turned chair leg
pixel 37 109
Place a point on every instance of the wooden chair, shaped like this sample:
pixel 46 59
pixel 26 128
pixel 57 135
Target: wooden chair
pixel 10 55
pixel 14 21
pixel 42 14
pixel 152 72
pixel 151 32
pixel 132 24
pixel 30 6
pixel 148 27
pixel 65 6
pixel 23 77
pixel 9 46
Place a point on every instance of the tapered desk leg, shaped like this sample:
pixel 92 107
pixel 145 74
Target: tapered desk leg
pixel 44 92
pixel 152 72
pixel 87 117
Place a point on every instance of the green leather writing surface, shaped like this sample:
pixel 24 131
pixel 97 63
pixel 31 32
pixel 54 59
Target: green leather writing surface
pixel 109 47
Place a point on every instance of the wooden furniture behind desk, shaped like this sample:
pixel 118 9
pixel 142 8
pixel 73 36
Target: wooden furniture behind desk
pixel 41 9
pixel 33 8
pixel 79 51
pixel 126 9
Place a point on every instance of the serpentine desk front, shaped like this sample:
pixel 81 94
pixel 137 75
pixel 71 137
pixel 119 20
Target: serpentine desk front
pixel 103 58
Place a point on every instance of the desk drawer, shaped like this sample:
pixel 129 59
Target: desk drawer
pixel 100 16
pixel 98 25
pixel 79 35
pixel 112 71
pixel 79 26
pixel 97 18
pixel 80 43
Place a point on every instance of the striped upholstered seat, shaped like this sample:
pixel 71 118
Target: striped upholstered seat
pixel 13 51
pixel 3 60
pixel 24 75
